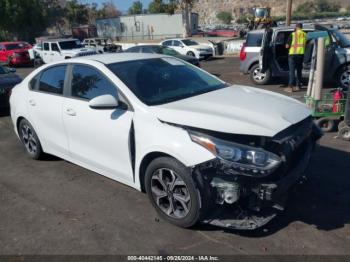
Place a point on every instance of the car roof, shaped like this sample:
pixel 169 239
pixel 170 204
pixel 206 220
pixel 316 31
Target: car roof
pixel 282 28
pixel 60 40
pixel 179 39
pixel 14 42
pixel 116 58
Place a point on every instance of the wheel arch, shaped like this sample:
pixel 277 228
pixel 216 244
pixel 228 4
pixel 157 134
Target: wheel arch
pixel 18 121
pixel 253 64
pixel 147 159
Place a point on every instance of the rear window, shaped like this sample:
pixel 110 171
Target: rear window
pixel 254 39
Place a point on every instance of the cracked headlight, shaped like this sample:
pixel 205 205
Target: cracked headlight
pixel 244 160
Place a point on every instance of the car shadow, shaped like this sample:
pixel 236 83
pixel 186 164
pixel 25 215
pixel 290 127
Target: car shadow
pixel 322 201
pixel 4 112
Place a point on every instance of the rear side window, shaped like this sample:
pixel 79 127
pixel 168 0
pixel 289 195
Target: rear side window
pixel 88 83
pixel 52 80
pixel 167 43
pixel 46 47
pixel 254 39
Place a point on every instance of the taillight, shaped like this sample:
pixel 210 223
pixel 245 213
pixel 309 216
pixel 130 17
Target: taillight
pixel 243 53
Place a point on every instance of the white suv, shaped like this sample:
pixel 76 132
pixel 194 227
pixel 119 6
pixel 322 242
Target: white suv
pixel 189 47
pixel 60 49
pixel 201 149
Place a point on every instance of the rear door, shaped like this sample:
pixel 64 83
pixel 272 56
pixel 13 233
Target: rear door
pixel 265 52
pixel 44 103
pixel 46 53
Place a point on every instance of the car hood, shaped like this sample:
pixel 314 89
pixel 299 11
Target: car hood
pixel 236 110
pixel 9 79
pixel 187 58
pixel 77 51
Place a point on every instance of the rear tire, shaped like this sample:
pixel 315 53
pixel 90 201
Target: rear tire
pixel 326 124
pixel 259 78
pixel 344 133
pixel 341 125
pixel 30 140
pixel 172 192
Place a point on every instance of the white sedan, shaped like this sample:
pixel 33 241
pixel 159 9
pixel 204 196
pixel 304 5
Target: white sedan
pixel 189 47
pixel 168 128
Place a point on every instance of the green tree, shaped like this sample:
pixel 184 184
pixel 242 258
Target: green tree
pixel 156 6
pixel 225 17
pixel 136 8
pixel 326 6
pixel 24 19
pixel 305 8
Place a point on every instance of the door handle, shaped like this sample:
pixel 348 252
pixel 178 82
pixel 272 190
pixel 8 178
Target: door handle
pixel 32 102
pixel 71 112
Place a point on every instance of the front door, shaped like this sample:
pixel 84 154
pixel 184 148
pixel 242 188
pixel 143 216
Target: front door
pixel 98 138
pixel 55 53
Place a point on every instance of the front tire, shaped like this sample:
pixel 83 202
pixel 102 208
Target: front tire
pixel 343 76
pixel 259 78
pixel 172 192
pixel 30 140
pixel 191 54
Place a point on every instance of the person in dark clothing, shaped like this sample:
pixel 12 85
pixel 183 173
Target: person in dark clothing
pixel 296 45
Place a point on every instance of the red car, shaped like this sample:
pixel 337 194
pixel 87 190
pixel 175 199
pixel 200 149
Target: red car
pixel 14 53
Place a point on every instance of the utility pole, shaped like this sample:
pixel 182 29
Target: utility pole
pixel 289 12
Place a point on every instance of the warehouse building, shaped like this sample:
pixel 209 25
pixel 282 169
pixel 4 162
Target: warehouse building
pixel 145 26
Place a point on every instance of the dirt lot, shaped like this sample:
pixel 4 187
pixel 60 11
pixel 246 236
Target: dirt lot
pixel 55 207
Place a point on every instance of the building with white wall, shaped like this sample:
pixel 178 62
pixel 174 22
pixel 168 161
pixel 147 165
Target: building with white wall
pixel 145 26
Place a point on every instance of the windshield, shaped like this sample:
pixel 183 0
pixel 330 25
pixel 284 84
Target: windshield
pixel 165 50
pixel 70 44
pixel 189 42
pixel 342 40
pixel 4 70
pixel 16 46
pixel 164 80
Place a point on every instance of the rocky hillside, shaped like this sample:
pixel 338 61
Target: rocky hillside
pixel 207 9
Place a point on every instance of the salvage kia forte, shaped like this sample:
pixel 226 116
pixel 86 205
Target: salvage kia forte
pixel 201 149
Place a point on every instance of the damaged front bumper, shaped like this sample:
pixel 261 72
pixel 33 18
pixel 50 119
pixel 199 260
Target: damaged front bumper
pixel 247 203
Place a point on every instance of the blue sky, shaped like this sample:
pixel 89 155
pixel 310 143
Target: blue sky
pixel 122 5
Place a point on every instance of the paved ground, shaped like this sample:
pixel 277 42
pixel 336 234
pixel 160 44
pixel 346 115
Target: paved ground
pixel 55 207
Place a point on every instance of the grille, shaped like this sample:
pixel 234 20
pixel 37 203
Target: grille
pixel 87 53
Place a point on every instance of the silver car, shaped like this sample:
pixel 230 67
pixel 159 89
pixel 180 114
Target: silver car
pixel 275 55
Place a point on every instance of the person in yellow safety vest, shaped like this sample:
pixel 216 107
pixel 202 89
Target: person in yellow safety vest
pixel 296 45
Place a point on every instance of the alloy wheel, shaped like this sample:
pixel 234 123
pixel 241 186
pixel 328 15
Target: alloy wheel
pixel 170 193
pixel 29 140
pixel 345 78
pixel 258 76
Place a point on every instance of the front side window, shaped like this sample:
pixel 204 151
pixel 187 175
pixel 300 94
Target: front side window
pixel 46 47
pixel 177 43
pixel 164 80
pixel 52 80
pixel 189 42
pixel 88 83
pixel 54 47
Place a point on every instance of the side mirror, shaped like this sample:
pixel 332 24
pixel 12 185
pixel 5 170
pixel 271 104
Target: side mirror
pixel 104 102
pixel 12 70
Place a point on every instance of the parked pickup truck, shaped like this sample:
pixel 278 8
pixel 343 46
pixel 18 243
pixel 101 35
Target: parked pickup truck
pixel 54 50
